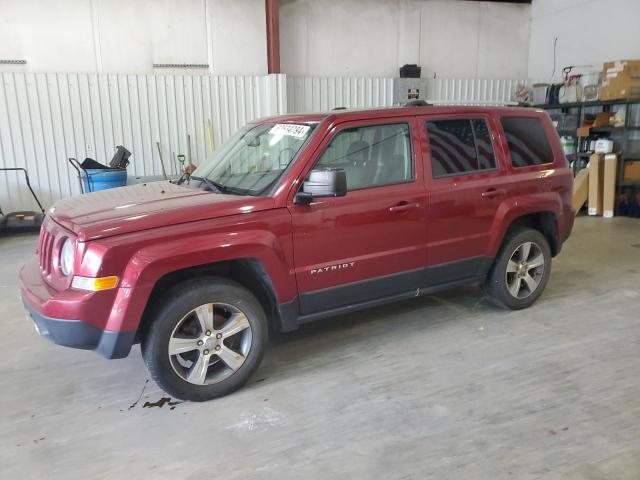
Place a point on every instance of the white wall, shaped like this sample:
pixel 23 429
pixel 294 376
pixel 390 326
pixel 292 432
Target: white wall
pixel 239 36
pixel 49 35
pixel 475 39
pixel 449 38
pixel 589 32
pixel 339 37
pixel 131 35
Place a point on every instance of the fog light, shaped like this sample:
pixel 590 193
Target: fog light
pixel 94 284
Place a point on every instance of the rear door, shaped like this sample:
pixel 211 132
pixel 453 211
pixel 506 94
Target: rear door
pixel 467 184
pixel 369 244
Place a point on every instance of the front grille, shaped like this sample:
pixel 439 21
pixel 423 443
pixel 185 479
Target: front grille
pixel 52 236
pixel 45 250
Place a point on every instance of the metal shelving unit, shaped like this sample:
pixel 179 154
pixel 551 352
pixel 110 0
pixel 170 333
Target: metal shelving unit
pixel 624 137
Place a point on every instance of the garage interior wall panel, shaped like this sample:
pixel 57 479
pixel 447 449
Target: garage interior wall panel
pixel 317 94
pixel 375 38
pixel 473 91
pixel 314 94
pixel 45 118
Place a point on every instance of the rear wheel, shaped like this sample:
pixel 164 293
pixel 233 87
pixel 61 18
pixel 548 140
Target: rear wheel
pixel 521 271
pixel 206 339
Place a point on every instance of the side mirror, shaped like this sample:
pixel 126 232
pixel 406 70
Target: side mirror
pixel 325 182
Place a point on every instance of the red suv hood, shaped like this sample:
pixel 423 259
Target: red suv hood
pixel 140 207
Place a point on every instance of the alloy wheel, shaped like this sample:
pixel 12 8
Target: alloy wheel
pixel 525 269
pixel 210 343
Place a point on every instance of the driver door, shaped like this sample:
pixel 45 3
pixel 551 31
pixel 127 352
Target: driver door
pixel 369 244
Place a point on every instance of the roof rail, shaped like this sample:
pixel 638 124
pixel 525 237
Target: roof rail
pixel 417 103
pixel 339 108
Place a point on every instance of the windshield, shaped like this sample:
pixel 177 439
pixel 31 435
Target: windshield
pixel 254 158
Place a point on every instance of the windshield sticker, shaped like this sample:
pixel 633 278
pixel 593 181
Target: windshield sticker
pixel 298 131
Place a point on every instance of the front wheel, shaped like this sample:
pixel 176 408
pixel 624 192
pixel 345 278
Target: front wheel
pixel 521 270
pixel 206 339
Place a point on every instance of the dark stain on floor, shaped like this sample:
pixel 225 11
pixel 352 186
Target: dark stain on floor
pixel 161 403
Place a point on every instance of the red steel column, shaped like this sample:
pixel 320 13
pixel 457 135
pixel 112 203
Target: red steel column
pixel 272 9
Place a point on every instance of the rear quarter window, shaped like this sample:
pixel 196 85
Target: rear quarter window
pixel 527 140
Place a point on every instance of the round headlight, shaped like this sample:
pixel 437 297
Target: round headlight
pixel 66 257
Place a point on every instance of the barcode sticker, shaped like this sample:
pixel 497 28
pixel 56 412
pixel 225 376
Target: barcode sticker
pixel 293 130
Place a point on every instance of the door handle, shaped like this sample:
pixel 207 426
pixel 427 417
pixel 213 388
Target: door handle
pixel 403 207
pixel 493 193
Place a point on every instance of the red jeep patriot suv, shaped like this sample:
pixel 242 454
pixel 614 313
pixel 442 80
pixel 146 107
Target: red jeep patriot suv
pixel 297 218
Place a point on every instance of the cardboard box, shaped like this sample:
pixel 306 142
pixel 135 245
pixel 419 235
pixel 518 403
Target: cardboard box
pixel 596 170
pixel 621 80
pixel 620 90
pixel 583 132
pixel 616 67
pixel 632 171
pixel 609 188
pixel 580 189
pixel 603 119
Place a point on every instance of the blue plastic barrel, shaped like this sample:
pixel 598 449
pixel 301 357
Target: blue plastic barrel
pixel 98 179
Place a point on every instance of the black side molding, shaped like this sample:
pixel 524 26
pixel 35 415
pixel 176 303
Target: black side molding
pixel 390 299
pixel 332 301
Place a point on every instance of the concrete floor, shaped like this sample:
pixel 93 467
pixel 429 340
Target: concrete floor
pixel 442 387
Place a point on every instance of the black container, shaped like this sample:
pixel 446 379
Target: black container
pixel 553 94
pixel 410 70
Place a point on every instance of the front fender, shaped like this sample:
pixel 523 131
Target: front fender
pixel 150 263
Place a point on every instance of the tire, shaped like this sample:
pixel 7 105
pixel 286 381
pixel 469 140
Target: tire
pixel 501 284
pixel 197 319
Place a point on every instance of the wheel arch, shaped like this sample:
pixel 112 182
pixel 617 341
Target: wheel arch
pixel 263 257
pixel 543 211
pixel 248 272
pixel 543 221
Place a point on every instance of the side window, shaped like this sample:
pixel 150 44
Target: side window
pixel 527 141
pixel 371 156
pixel 460 146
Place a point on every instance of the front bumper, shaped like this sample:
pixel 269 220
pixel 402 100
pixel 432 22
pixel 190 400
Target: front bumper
pixel 62 316
pixel 78 334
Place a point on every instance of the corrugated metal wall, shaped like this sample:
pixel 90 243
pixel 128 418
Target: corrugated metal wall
pixel 47 118
pixel 313 94
pixel 472 91
pixel 318 94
